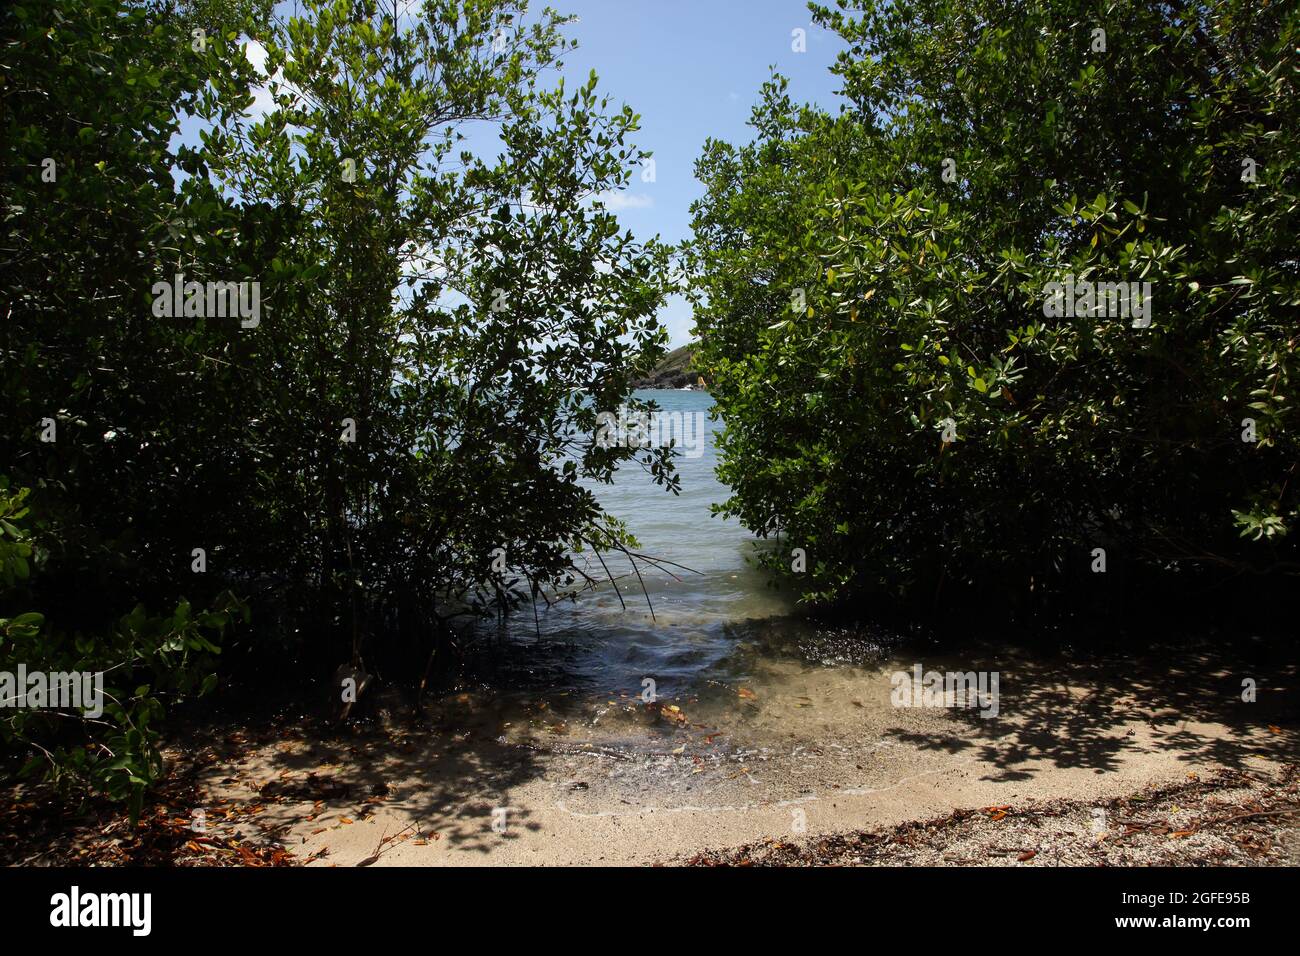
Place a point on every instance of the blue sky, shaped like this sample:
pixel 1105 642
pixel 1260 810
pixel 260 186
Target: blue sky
pixel 692 69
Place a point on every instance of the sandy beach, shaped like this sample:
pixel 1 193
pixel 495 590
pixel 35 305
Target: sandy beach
pixel 638 784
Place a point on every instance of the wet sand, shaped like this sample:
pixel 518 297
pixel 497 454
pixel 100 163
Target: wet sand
pixel 796 752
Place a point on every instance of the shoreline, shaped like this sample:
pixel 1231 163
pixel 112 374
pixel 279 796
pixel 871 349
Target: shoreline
pixel 474 784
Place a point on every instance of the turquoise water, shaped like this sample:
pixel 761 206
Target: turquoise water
pixel 597 644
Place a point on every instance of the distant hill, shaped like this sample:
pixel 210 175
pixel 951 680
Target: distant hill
pixel 675 370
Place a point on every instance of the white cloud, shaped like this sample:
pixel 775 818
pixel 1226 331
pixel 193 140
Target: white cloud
pixel 618 201
pixel 679 318
pixel 256 55
pixel 263 101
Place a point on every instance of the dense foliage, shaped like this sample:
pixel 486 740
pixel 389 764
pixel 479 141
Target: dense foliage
pixel 110 744
pixel 904 399
pixel 392 427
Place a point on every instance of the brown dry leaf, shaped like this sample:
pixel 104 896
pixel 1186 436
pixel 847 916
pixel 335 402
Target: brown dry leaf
pixel 1027 856
pixel 345 820
pixel 1179 834
pixel 319 830
pixel 747 694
